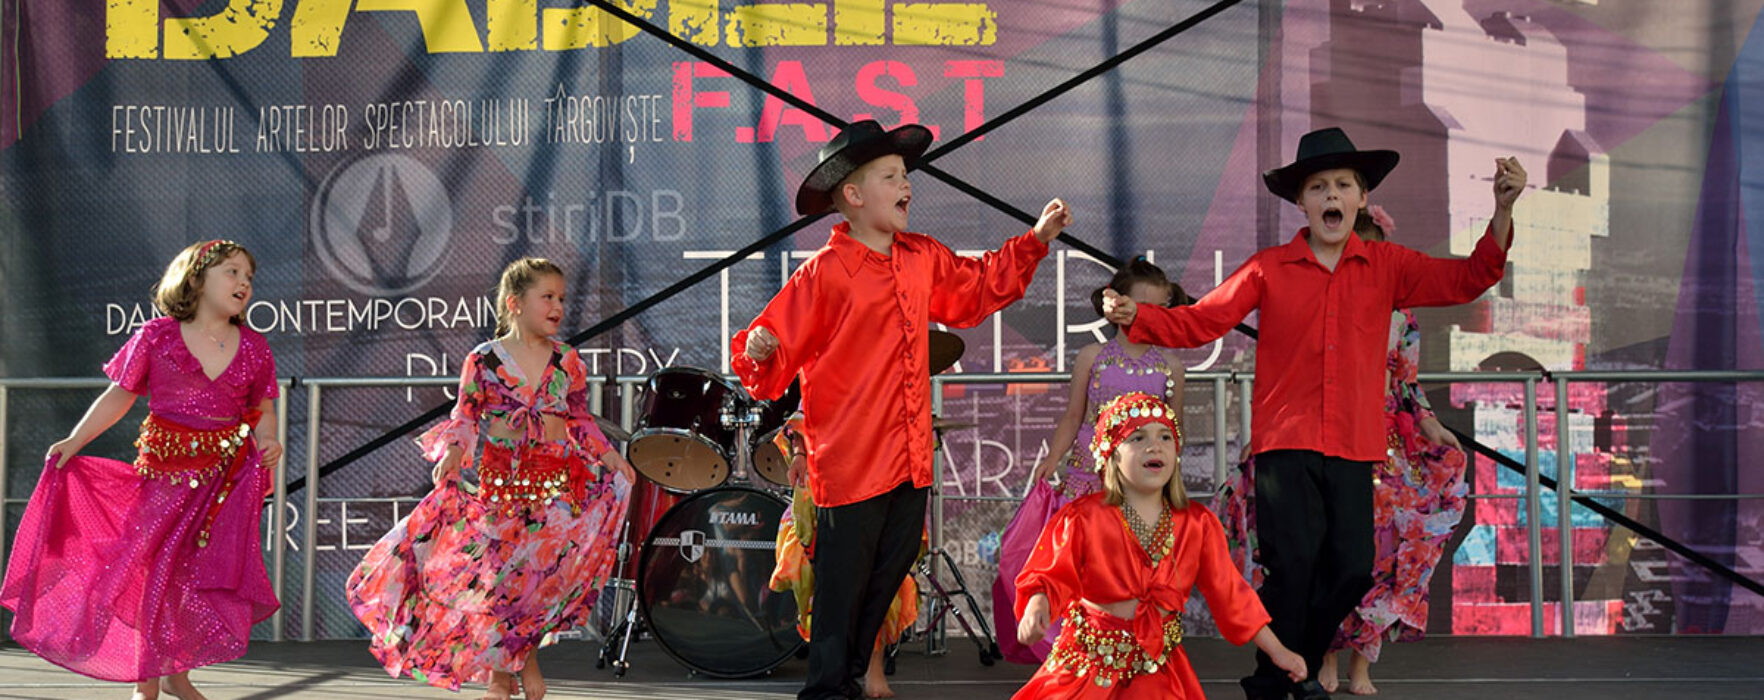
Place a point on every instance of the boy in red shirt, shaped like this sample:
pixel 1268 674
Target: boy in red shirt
pixel 853 321
pixel 1325 300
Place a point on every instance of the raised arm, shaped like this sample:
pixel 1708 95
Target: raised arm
pixel 1196 324
pixel 964 291
pixel 792 330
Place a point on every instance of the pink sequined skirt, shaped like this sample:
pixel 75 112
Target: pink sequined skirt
pixel 106 578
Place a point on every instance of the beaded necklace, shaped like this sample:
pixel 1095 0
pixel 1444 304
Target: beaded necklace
pixel 1156 541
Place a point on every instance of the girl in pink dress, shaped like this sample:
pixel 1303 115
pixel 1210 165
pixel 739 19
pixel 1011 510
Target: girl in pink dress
pixel 138 572
pixel 1101 372
pixel 468 586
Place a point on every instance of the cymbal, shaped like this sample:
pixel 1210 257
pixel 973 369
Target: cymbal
pixel 946 350
pixel 612 430
pixel 951 424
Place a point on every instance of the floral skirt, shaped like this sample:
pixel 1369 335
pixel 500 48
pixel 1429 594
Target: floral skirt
pixel 1418 499
pixel 462 587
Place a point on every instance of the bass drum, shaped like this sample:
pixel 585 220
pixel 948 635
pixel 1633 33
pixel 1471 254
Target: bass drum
pixel 702 584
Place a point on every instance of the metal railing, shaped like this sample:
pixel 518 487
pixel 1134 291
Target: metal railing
pixel 629 386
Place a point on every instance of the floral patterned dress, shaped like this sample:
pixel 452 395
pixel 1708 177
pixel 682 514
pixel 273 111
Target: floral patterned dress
pixel 1418 498
pixel 1112 374
pixel 479 575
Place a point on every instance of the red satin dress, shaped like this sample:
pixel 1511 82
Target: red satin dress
pixel 1087 552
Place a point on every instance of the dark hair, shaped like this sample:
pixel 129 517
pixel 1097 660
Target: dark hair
pixel 1134 272
pixel 1366 228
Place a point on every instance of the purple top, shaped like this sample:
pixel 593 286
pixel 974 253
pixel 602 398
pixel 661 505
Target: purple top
pixel 157 363
pixel 1112 374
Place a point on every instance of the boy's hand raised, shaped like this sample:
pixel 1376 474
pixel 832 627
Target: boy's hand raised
pixel 1118 308
pixel 1509 182
pixel 1055 217
pixel 761 344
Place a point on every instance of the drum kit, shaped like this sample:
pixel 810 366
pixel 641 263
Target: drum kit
pixel 710 506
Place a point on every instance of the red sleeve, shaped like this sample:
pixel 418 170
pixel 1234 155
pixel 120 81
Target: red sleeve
pixel 1054 564
pixel 1206 320
pixel 128 368
pixel 1423 280
pixel 1236 609
pixel 802 316
pixel 964 291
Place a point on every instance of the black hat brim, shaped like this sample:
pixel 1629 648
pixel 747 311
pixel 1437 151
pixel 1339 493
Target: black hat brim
pixel 815 195
pixel 1373 166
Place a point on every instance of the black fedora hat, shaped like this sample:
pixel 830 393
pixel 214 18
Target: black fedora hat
pixel 1328 149
pixel 857 144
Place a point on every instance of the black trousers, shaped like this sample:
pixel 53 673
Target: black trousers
pixel 862 552
pixel 1314 532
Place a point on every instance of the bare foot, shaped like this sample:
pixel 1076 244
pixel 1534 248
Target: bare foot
pixel 179 686
pixel 146 690
pixel 532 684
pixel 501 686
pixel 875 681
pixel 1360 676
pixel 1327 674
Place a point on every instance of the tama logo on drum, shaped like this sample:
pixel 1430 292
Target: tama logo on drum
pixel 724 517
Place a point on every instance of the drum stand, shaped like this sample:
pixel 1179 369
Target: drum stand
pixel 738 415
pixel 942 602
pixel 625 611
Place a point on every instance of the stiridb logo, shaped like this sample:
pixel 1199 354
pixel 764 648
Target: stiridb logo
pixel 381 224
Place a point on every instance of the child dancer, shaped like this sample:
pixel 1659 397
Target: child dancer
pixel 140 572
pixel 1417 505
pixel 1325 300
pixel 470 584
pixel 1101 372
pixel 1119 565
pixel 852 322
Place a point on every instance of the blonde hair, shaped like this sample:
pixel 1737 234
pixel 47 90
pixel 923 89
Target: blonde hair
pixel 180 289
pixel 1174 492
pixel 517 278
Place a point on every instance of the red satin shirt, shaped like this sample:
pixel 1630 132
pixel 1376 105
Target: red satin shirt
pixel 1323 337
pixel 854 322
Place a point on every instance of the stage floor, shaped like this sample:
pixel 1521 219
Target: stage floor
pixel 1705 668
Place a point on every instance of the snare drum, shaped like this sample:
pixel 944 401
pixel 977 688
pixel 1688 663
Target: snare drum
pixel 680 441
pixel 769 462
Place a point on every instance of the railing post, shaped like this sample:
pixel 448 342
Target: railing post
pixel 1565 504
pixel 1221 461
pixel 279 519
pixel 309 533
pixel 1246 387
pixel 5 629
pixel 1533 509
pixel 934 638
